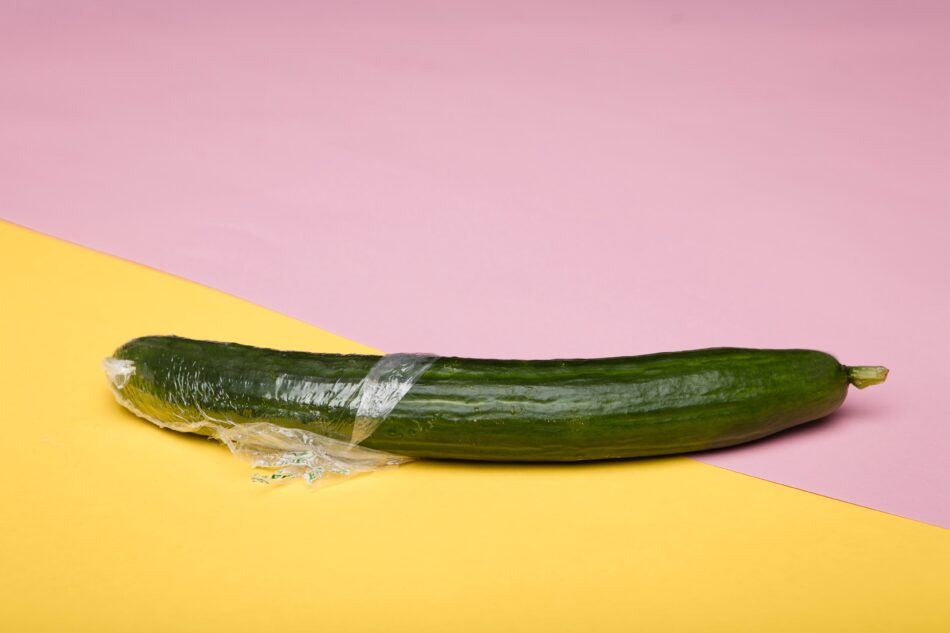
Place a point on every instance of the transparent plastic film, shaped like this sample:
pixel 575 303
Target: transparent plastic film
pixel 277 451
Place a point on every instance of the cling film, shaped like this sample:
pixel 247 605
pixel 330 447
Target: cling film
pixel 277 453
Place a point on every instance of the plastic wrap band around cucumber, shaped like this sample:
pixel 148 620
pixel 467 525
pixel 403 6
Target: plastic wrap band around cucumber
pixel 298 414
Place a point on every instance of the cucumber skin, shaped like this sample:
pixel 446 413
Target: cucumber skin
pixel 500 410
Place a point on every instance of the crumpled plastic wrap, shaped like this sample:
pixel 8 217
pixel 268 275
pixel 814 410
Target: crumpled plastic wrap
pixel 278 453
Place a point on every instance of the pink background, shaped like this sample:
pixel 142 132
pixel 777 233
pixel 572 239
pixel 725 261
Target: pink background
pixel 529 179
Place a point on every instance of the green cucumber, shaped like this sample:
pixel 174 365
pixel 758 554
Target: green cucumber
pixel 498 410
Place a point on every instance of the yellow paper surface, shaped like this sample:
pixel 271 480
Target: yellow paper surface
pixel 111 524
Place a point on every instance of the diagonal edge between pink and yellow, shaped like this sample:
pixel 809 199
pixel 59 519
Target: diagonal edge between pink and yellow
pixel 113 524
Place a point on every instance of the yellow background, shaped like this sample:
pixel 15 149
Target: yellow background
pixel 111 524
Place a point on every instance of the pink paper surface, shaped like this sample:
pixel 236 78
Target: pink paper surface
pixel 531 179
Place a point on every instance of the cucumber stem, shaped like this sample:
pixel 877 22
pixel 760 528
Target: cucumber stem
pixel 865 376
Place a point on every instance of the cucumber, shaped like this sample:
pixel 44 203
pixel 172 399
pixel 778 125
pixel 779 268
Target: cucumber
pixel 497 410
